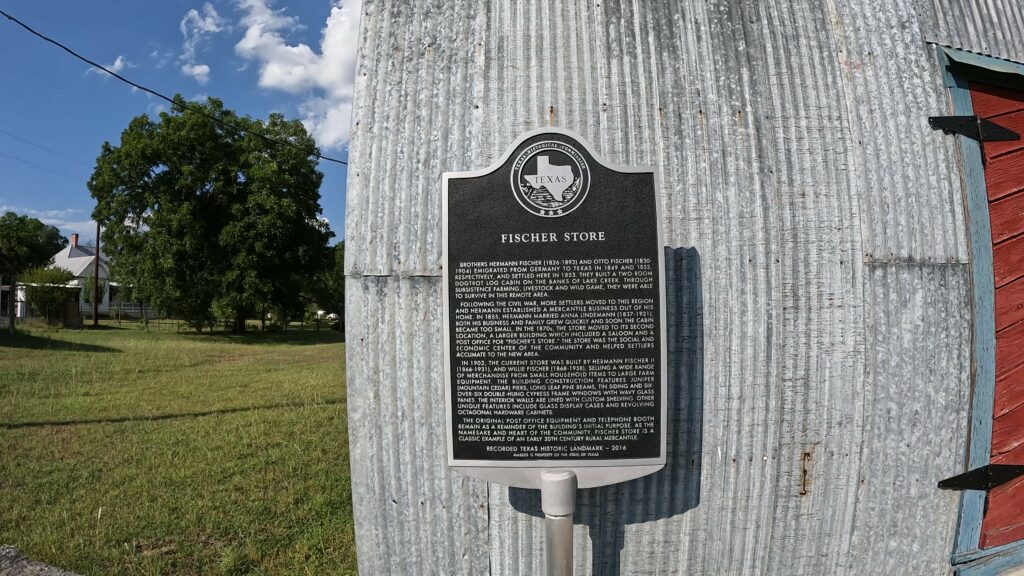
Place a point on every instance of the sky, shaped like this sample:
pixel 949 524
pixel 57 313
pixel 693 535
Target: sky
pixel 258 56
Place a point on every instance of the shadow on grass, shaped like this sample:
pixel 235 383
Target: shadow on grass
pixel 159 417
pixel 33 342
pixel 294 338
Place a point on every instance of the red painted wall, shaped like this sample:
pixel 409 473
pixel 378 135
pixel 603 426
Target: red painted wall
pixel 1004 179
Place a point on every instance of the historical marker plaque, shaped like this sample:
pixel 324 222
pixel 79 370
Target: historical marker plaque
pixel 554 309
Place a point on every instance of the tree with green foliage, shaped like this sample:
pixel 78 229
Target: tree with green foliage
pixel 334 285
pixel 327 290
pixel 87 290
pixel 24 243
pixel 207 221
pixel 47 291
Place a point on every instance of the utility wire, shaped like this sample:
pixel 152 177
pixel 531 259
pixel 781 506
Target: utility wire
pixel 196 109
pixel 41 167
pixel 44 148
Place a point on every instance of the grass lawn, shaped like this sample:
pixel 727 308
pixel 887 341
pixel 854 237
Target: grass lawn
pixel 127 452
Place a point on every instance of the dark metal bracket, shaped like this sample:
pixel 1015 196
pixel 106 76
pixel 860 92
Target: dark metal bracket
pixel 973 127
pixel 984 478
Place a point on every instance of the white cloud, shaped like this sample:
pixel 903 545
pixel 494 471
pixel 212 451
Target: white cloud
pixel 119 63
pixel 195 27
pixel 40 214
pixel 69 220
pixel 201 72
pixel 325 78
pixel 84 228
pixel 161 58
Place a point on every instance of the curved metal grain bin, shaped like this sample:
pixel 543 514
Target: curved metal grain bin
pixel 821 362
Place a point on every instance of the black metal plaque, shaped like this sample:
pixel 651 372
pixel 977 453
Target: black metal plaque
pixel 554 311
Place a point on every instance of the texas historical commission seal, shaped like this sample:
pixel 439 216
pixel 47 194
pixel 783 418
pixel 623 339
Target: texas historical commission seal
pixel 550 179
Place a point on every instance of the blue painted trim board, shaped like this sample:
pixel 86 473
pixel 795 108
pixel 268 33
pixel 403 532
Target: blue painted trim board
pixel 996 561
pixel 972 502
pixel 983 345
pixel 987 63
pixel 975 555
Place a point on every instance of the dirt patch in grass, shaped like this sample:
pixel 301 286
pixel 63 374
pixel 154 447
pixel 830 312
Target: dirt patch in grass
pixel 155 548
pixel 234 359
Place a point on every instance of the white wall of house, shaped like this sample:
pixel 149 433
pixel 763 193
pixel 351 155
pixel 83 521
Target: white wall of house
pixel 20 309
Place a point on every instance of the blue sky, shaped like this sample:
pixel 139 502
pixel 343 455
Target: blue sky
pixel 258 56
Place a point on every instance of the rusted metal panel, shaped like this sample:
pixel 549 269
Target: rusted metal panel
pixel 824 390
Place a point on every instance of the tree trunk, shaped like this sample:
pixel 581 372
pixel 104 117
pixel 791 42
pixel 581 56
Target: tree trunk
pixel 12 295
pixel 239 327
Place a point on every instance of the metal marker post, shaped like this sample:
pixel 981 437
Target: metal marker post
pixel 558 501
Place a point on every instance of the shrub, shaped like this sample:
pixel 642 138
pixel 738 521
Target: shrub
pixel 46 290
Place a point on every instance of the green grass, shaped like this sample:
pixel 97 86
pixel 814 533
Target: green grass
pixel 126 452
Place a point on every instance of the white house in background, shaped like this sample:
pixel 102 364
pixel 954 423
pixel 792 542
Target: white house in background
pixel 80 261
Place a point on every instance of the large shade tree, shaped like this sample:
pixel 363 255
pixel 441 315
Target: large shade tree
pixel 327 290
pixel 24 243
pixel 205 220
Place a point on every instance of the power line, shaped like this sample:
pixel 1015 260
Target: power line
pixel 41 167
pixel 162 96
pixel 44 148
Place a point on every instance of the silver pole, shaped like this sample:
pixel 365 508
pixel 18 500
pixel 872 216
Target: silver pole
pixel 558 501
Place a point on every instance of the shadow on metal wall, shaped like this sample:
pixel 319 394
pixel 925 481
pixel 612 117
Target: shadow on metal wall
pixel 675 488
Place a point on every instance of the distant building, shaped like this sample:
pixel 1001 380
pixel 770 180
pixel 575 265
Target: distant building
pixel 80 261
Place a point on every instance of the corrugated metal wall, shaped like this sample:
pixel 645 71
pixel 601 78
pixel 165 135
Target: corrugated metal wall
pixel 820 277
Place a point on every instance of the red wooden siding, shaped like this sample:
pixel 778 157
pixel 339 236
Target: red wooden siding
pixel 1007 441
pixel 1008 258
pixel 1009 350
pixel 1002 523
pixel 1004 180
pixel 1010 303
pixel 1006 214
pixel 1011 383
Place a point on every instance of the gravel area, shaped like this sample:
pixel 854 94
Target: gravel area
pixel 14 563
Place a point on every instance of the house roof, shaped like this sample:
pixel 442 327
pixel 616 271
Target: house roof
pixel 78 260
